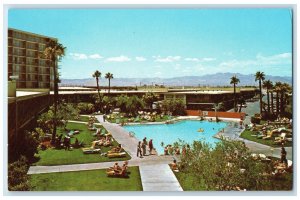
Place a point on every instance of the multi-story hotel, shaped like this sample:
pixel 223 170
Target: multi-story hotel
pixel 25 60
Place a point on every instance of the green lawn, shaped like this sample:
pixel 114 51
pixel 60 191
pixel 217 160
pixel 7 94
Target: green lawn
pixel 188 182
pixel 247 135
pixel 53 156
pixel 92 180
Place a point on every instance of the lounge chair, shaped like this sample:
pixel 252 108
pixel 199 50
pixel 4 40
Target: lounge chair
pixel 111 173
pixel 137 119
pixel 116 155
pixel 91 150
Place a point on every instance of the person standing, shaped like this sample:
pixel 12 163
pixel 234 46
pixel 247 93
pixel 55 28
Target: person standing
pixel 283 155
pixel 139 150
pixel 144 148
pixel 150 146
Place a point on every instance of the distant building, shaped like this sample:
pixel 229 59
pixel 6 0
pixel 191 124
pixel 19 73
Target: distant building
pixel 25 61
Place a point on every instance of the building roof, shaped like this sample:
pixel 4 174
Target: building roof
pixel 34 34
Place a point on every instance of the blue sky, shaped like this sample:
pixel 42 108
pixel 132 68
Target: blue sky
pixel 165 42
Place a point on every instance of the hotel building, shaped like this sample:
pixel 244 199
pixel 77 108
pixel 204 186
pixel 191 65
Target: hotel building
pixel 25 60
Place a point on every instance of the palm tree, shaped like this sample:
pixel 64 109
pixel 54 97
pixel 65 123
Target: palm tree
pixel 109 76
pixel 97 75
pixel 260 76
pixel 268 85
pixel 234 80
pixel 285 88
pixel 241 102
pixel 54 51
pixel 217 107
pixel 277 89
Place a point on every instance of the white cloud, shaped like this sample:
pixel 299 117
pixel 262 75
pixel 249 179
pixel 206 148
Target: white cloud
pixel 82 56
pixel 260 60
pixel 140 59
pixel 192 59
pixel 95 56
pixel 158 74
pixel 118 59
pixel 208 59
pixel 200 59
pixel 167 59
pixel 78 56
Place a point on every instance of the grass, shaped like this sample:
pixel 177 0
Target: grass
pixel 53 156
pixel 92 180
pixel 189 182
pixel 247 135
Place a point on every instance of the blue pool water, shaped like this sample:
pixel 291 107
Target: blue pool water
pixel 186 130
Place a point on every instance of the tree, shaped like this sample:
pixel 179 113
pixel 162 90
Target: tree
pixel 218 106
pixel 121 102
pixel 277 88
pixel 285 88
pixel 109 76
pixel 260 76
pixel 227 166
pixel 268 85
pixel 149 98
pixel 47 121
pixel 134 104
pixel 234 80
pixel 241 102
pixel 108 103
pixel 97 75
pixel 54 51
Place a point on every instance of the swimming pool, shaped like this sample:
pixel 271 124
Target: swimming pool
pixel 186 130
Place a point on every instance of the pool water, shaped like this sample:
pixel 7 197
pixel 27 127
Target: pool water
pixel 186 130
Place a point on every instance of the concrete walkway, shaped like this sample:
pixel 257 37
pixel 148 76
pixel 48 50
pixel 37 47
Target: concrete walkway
pixel 158 177
pixel 121 135
pixel 147 160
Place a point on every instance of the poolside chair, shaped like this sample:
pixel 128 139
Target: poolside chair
pixel 137 119
pixel 91 150
pixel 116 155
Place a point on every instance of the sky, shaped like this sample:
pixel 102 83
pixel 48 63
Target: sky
pixel 165 43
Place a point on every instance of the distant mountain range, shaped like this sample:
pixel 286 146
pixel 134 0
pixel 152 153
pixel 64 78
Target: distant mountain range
pixel 218 79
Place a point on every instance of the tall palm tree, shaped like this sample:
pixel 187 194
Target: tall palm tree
pixel 109 76
pixel 54 51
pixel 268 85
pixel 97 75
pixel 277 89
pixel 285 88
pixel 260 76
pixel 234 80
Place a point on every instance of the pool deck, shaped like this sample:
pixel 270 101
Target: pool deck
pixel 156 174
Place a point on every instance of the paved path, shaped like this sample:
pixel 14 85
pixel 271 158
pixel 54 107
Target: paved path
pixel 158 177
pixel 147 160
pixel 121 135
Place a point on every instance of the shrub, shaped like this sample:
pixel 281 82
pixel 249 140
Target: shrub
pixel 86 108
pixel 18 180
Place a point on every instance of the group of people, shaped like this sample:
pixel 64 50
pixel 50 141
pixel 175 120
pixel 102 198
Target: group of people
pixel 170 150
pixel 103 141
pixel 142 147
pixel 118 170
pixel 65 142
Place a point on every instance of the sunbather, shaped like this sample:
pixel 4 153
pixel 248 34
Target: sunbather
pixel 174 166
pixel 117 149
